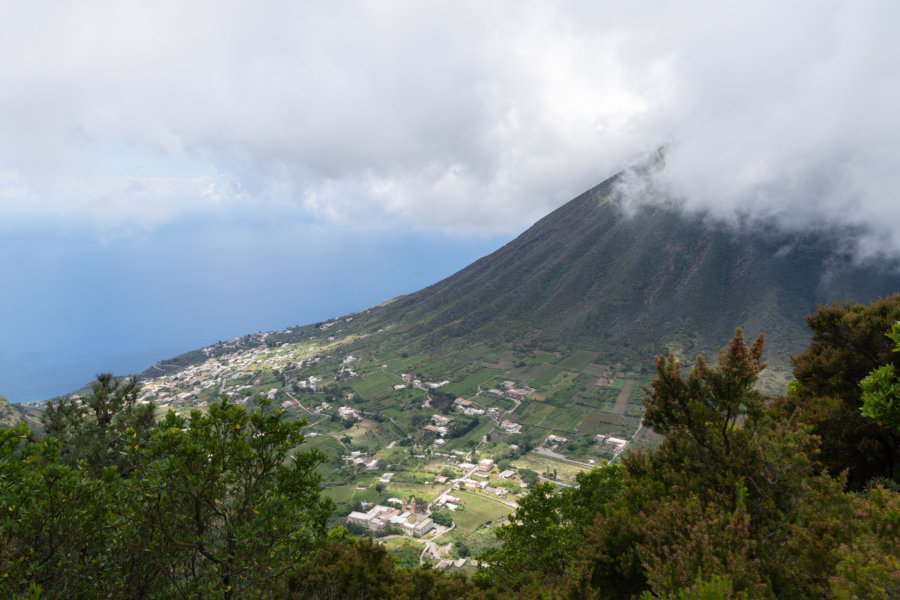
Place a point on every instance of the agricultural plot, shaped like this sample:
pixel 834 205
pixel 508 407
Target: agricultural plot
pixel 552 418
pixel 636 398
pixel 325 444
pixel 565 388
pixel 634 411
pixel 364 435
pixel 577 361
pixel 534 413
pixel 504 404
pixel 476 521
pixel 609 424
pixel 402 489
pixel 501 359
pixel 407 396
pixel 597 370
pixel 407 364
pixel 479 510
pixel 468 441
pixel 445 368
pixel 484 428
pixel 374 385
pixel 622 398
pixel 469 386
pixel 601 397
pixel 594 421
pixel 541 356
pixel 565 471
pixel 544 374
pixel 388 456
pixel 404 550
pixel 349 495
pixel 393 411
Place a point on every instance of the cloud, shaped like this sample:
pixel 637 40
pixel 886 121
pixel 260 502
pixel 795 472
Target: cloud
pixel 464 115
pixel 783 112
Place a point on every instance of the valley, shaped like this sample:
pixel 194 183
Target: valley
pixel 476 424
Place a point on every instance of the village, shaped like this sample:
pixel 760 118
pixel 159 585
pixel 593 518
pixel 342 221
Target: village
pixel 413 459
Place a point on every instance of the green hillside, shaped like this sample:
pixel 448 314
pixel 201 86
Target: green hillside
pixel 494 389
pixel 628 287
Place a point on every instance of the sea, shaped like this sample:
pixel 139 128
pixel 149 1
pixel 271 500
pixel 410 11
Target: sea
pixel 73 305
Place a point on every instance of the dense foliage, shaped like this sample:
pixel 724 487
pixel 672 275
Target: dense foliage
pixel 217 505
pixel 848 342
pixel 747 497
pixel 98 427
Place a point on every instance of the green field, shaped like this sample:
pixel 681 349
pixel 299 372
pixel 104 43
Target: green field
pixel 544 357
pixel 375 385
pixel 548 373
pixel 577 361
pixel 476 521
pixel 405 365
pixel 595 421
pixel 600 396
pixel 535 413
pixel 469 386
pixel 597 370
pixel 565 471
pixel 551 417
pixel 326 444
pixel 483 429
pixel 400 489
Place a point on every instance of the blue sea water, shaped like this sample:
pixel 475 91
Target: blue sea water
pixel 72 307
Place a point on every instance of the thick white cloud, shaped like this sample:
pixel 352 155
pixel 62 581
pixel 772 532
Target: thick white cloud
pixel 466 115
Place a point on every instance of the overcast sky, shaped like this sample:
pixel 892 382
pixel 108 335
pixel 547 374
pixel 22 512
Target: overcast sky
pixel 467 116
pixel 157 157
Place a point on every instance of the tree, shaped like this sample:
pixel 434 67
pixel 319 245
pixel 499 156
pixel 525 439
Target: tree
pixel 528 476
pixel 849 341
pixel 715 499
pixel 94 427
pixel 55 530
pixel 228 500
pixel 881 391
pixel 547 529
pixel 442 518
pixel 216 505
pixel 708 406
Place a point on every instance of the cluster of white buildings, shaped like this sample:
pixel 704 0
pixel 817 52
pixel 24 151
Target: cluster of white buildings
pixel 184 385
pixel 468 408
pixel 358 458
pixel 407 519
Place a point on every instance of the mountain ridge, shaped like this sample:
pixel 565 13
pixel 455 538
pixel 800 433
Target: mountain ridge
pixel 634 285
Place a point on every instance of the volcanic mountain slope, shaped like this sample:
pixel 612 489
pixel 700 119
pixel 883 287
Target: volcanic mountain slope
pixel 631 284
pixel 624 284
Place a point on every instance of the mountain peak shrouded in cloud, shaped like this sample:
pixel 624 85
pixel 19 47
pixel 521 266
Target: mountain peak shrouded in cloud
pixel 464 116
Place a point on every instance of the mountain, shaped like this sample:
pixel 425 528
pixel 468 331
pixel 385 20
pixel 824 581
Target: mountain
pixel 630 284
pixel 625 282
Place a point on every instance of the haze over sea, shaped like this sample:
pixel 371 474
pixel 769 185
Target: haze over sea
pixel 72 307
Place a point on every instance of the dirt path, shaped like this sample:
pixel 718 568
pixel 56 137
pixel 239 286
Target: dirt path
pixel 622 398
